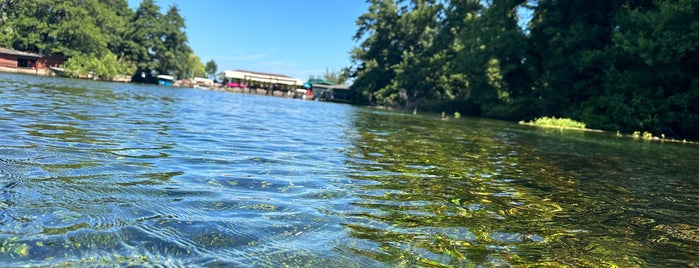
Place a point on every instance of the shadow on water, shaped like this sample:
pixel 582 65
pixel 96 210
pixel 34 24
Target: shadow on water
pixel 478 192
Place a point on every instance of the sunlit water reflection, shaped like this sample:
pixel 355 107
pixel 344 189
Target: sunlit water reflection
pixel 101 173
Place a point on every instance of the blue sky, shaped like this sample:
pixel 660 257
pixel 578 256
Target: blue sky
pixel 295 38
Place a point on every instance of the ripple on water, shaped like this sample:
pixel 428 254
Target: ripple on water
pixel 133 175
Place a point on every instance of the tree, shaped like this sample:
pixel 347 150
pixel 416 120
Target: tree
pixel 104 35
pixel 334 76
pixel 82 30
pixel 650 81
pixel 466 56
pixel 566 51
pixel 492 60
pixel 195 66
pixel 626 65
pixel 77 30
pixel 211 68
pixel 25 25
pixel 113 18
pixel 377 53
pixel 173 51
pixel 418 24
pixel 143 39
pixel 57 27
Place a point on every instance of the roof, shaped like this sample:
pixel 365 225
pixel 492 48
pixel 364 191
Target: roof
pixel 260 73
pixel 9 51
pixel 166 77
pixel 338 87
pixel 262 77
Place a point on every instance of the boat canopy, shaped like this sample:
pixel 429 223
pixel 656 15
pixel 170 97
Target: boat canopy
pixel 166 77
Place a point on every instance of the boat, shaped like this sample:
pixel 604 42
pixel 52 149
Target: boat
pixel 165 80
pixel 58 71
pixel 203 83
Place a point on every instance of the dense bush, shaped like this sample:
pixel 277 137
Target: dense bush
pixel 613 64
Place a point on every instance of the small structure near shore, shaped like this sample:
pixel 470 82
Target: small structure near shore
pixel 16 61
pixel 335 93
pixel 165 80
pixel 205 83
pixel 323 90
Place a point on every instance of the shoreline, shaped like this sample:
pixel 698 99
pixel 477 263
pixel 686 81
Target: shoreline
pixel 29 71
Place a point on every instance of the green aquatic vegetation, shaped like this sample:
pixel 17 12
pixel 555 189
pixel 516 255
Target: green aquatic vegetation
pixel 554 122
pixel 648 136
pixel 14 248
pixel 645 136
pixel 463 193
pixel 680 231
pixel 515 205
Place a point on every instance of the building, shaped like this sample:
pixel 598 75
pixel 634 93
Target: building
pixel 19 61
pixel 261 80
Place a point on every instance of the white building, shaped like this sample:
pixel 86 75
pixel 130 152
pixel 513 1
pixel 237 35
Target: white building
pixel 262 79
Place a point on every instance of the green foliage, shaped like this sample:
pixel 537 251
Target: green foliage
pixel 645 136
pixel 378 52
pixel 334 76
pixel 105 31
pixel 211 68
pixel 194 66
pixel 63 27
pixel 617 65
pixel 555 122
pixel 106 67
pixel 142 38
pixel 170 44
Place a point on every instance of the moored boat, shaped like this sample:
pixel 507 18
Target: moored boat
pixel 58 71
pixel 165 80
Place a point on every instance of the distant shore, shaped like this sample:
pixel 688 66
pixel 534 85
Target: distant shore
pixel 32 71
pixel 48 72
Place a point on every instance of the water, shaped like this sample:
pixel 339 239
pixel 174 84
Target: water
pixel 98 174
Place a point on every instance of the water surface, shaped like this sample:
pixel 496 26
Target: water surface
pixel 98 173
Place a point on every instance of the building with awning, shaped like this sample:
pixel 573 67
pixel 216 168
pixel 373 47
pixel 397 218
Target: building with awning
pixel 249 77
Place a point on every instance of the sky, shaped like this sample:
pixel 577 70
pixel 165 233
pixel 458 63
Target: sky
pixel 295 38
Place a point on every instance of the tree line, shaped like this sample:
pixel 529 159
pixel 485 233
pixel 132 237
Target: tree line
pixel 102 36
pixel 619 65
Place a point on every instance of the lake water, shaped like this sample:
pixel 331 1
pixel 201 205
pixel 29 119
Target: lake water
pixel 95 174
